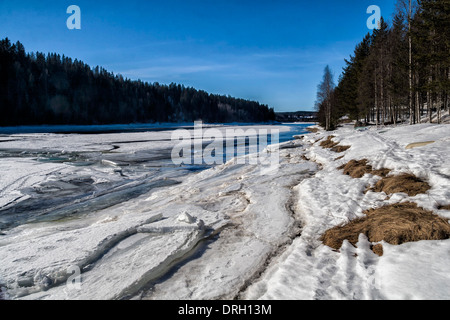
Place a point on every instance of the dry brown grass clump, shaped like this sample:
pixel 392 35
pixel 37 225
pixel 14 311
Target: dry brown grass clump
pixel 357 169
pixel 395 224
pixel 383 172
pixel 334 146
pixel 339 148
pixel 378 249
pixel 407 183
pixel 312 129
pixel 444 207
pixel 328 143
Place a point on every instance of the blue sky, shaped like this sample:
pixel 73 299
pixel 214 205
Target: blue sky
pixel 270 51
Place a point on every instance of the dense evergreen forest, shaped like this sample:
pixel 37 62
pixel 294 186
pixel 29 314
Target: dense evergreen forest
pixel 398 73
pixel 49 89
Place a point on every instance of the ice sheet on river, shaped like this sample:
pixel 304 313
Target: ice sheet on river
pixel 222 224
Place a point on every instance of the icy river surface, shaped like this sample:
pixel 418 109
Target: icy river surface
pixel 95 213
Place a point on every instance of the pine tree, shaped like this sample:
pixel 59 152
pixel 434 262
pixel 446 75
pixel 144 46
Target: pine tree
pixel 433 36
pixel 379 57
pixel 398 67
pixel 347 89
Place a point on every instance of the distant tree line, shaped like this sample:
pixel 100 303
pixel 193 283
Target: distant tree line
pixel 297 116
pixel 51 89
pixel 400 72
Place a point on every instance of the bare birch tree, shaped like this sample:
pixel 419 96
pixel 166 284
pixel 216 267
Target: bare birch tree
pixel 324 96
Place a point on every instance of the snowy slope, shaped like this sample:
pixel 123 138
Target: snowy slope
pixel 419 270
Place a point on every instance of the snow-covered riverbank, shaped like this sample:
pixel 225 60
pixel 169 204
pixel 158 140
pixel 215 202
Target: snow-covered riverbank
pixel 414 270
pixel 229 231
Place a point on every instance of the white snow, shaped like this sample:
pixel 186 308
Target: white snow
pixel 232 230
pixel 186 217
pixel 419 270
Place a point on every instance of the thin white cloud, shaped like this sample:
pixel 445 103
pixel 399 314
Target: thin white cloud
pixel 284 78
pixel 175 70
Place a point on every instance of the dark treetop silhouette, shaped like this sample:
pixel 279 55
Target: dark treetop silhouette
pixel 37 89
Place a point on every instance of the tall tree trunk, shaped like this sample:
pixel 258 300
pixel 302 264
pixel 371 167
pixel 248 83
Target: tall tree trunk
pixel 376 100
pixel 327 117
pixel 439 106
pixel 416 94
pixel 446 104
pixel 329 114
pixel 429 105
pixel 417 107
pixel 382 100
pixel 430 98
pixel 391 111
pixel 410 63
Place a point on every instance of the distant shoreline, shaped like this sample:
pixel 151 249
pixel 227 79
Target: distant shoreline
pixel 113 128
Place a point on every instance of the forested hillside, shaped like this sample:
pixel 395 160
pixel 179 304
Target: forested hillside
pixel 399 72
pixel 51 89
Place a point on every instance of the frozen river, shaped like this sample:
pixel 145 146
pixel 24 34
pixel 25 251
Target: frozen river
pixel 102 166
pixel 107 201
